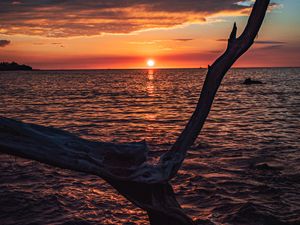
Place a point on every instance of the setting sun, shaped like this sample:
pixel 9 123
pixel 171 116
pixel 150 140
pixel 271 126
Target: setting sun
pixel 150 62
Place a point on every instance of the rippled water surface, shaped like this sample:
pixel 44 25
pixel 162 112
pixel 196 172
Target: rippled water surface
pixel 243 169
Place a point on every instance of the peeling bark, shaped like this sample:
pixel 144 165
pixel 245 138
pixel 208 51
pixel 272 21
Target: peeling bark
pixel 126 166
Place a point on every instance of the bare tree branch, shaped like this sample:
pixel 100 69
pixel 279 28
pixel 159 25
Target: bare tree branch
pixel 62 149
pixel 235 48
pixel 124 166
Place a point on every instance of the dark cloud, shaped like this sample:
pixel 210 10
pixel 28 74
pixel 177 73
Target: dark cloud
pixel 271 47
pixel 270 42
pixel 53 43
pixel 4 43
pixel 183 39
pixel 62 18
pixel 266 42
pixel 215 51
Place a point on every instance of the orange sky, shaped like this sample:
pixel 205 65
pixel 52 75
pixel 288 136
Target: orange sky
pixel 105 34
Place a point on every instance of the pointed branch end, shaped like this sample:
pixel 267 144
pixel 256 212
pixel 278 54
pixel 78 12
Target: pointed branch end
pixel 233 32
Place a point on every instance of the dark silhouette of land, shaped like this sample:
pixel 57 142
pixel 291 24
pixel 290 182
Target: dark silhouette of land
pixel 6 66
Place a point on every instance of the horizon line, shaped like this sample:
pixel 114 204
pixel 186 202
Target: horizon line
pixel 168 68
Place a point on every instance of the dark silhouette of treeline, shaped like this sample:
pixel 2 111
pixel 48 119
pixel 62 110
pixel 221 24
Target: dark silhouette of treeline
pixel 5 66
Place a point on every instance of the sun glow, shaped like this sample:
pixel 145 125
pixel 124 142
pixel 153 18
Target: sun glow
pixel 150 62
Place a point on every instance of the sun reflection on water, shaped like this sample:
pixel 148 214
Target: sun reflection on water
pixel 150 84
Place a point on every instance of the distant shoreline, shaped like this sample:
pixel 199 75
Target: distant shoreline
pixel 163 68
pixel 13 66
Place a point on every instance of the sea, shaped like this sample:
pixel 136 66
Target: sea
pixel 244 167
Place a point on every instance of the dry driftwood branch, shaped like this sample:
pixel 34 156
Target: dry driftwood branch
pixel 126 166
pixel 235 48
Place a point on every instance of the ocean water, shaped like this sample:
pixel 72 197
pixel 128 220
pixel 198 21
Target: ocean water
pixel 243 169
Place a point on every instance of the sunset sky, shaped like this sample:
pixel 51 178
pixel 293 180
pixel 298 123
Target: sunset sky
pixel 64 34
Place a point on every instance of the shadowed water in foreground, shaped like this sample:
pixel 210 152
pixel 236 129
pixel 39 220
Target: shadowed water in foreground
pixel 243 170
